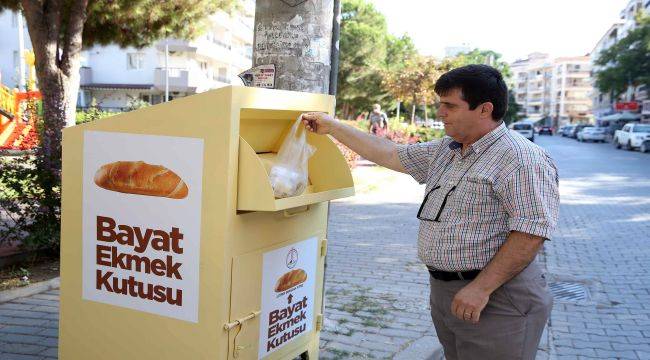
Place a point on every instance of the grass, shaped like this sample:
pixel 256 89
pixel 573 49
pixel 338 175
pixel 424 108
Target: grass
pixel 369 179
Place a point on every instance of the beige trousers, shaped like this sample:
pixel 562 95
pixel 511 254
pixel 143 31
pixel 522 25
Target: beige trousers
pixel 510 326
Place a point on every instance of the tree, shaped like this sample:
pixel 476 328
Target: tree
pixel 58 30
pixel 363 42
pixel 414 83
pixel 513 108
pixel 487 57
pixel 399 50
pixel 626 63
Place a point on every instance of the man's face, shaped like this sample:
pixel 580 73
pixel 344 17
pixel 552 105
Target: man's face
pixel 460 122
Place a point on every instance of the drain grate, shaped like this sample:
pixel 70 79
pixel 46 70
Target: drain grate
pixel 569 291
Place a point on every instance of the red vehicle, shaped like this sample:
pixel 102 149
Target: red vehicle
pixel 546 130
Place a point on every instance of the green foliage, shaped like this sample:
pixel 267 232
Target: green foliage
pixel 414 82
pixel 627 62
pixel 30 204
pixel 513 108
pixel 138 23
pixel 363 43
pixel 487 57
pixel 399 51
pixel 91 114
pixel 135 104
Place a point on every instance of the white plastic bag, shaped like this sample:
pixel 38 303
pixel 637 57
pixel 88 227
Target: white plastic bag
pixel 289 174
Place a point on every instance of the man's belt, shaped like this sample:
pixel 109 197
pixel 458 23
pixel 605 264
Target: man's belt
pixel 453 275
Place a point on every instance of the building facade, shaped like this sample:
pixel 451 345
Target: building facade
pixel 553 91
pixel 635 99
pixel 571 89
pixel 114 78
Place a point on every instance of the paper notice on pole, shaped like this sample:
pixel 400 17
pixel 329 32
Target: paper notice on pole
pixel 262 76
pixel 288 292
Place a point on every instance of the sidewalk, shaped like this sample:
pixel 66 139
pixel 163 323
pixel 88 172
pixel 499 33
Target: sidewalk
pixel 377 292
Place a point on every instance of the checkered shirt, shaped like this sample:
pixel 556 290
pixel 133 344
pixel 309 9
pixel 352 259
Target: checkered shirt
pixel 504 183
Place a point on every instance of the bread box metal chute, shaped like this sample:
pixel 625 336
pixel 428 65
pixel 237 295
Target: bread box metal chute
pixel 261 135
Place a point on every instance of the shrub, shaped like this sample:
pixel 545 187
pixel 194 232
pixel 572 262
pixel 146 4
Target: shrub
pixel 30 204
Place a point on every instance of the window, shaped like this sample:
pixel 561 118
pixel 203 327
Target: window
pixel 14 19
pixel 16 59
pixel 134 61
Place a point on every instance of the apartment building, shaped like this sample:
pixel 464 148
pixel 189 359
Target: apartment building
pixel 635 98
pixel 10 57
pixel 555 91
pixel 114 78
pixel 571 90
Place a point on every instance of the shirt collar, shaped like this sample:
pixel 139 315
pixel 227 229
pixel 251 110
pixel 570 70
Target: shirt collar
pixel 483 143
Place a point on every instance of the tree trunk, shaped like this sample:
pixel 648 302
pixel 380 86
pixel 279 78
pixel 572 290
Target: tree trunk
pixel 413 113
pixel 426 115
pixel 296 36
pixel 57 47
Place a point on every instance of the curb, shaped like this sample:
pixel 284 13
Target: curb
pixel 29 290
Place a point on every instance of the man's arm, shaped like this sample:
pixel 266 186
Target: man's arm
pixel 381 151
pixel 515 254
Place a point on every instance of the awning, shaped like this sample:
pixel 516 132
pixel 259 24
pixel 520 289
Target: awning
pixel 624 116
pixel 117 86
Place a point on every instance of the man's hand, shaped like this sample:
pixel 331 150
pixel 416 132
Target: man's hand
pixel 318 122
pixel 469 302
pixel 515 254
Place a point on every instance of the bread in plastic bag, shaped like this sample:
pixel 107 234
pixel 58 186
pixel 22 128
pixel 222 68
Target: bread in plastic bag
pixel 289 174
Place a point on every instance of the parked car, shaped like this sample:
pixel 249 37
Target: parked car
pixel 567 130
pixel 525 129
pixel 574 132
pixel 596 134
pixel 632 136
pixel 645 146
pixel 546 130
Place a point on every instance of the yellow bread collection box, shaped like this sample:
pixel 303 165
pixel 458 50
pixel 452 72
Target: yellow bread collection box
pixel 173 245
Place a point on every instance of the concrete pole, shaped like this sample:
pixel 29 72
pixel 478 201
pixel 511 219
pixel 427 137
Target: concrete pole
pixel 166 70
pixel 296 36
pixel 21 51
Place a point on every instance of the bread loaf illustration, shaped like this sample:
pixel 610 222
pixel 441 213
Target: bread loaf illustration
pixel 138 177
pixel 290 279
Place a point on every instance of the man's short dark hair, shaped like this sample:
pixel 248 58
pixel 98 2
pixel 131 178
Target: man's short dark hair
pixel 478 84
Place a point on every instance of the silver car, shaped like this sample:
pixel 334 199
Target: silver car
pixel 596 134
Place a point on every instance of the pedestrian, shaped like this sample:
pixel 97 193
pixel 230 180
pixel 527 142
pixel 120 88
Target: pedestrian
pixel 491 200
pixel 378 121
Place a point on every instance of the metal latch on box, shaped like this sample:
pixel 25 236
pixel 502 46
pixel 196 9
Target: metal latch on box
pixel 238 324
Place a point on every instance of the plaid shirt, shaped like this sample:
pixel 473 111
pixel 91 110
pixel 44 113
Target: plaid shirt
pixel 503 183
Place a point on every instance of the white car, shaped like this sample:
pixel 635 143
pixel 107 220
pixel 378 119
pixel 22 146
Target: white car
pixel 632 136
pixel 596 134
pixel 525 129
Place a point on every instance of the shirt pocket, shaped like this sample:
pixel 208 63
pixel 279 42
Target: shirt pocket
pixel 477 197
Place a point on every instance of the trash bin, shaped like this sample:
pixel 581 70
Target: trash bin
pixel 173 245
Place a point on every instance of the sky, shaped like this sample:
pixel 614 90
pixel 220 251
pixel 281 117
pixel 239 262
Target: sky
pixel 514 28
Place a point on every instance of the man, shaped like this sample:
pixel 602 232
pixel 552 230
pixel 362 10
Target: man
pixel 378 120
pixel 491 200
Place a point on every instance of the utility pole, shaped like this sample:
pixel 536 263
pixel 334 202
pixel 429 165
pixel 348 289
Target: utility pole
pixel 296 37
pixel 167 70
pixel 21 51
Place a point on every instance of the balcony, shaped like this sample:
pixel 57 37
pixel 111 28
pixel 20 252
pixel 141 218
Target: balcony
pixel 176 45
pixel 179 80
